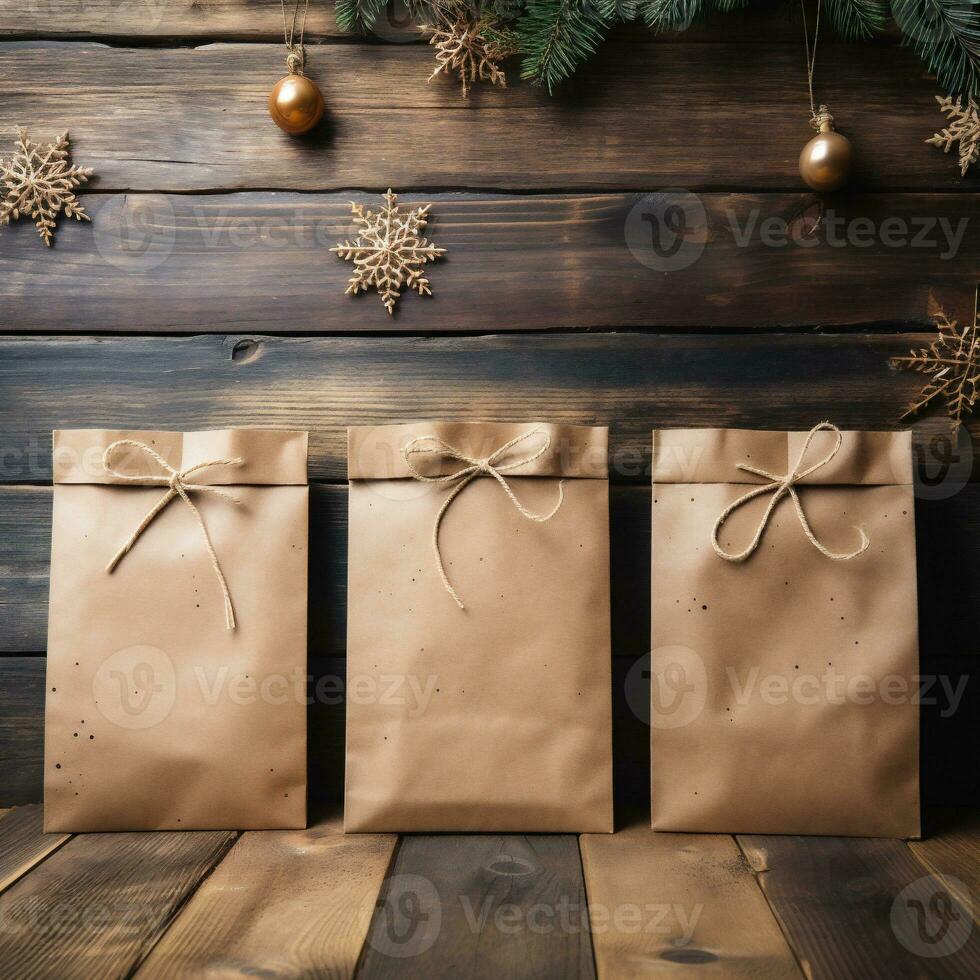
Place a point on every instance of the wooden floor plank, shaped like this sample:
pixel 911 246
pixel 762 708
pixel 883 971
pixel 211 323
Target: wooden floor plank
pixel 197 119
pixel 202 263
pixel 864 909
pixel 317 887
pixel 632 382
pixel 97 906
pixel 483 907
pixel 23 843
pixel 951 847
pixel 261 20
pixel 679 905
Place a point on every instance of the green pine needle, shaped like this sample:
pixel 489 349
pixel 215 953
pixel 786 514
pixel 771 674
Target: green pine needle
pixel 613 11
pixel 946 35
pixel 358 16
pixel 858 20
pixel 728 5
pixel 671 15
pixel 556 36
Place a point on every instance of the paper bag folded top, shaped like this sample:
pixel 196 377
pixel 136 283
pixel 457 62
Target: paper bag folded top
pixel 784 633
pixel 478 628
pixel 176 695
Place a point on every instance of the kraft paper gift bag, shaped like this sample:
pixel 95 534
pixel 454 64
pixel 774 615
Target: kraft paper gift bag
pixel 478 628
pixel 785 640
pixel 176 694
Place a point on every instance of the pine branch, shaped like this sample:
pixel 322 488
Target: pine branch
pixel 671 15
pixel 623 11
pixel 858 20
pixel 358 16
pixel 946 35
pixel 556 36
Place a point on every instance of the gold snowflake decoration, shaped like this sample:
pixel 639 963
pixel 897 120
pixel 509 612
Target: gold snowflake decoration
pixel 389 252
pixel 470 49
pixel 38 181
pixel 952 363
pixel 964 129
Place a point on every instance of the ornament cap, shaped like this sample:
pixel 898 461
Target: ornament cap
pixel 822 120
pixel 294 61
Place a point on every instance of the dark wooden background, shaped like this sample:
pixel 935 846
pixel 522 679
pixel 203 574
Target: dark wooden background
pixel 204 293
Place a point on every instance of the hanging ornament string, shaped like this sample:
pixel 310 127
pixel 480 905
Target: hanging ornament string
pixel 825 161
pixel 296 57
pixel 811 65
pixel 295 103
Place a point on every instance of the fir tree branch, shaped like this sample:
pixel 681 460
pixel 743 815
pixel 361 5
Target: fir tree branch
pixel 858 19
pixel 671 15
pixel 556 36
pixel 946 35
pixel 358 16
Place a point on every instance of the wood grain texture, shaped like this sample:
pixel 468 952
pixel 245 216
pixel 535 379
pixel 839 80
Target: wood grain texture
pixel 951 847
pixel 631 382
pixel 842 906
pixel 483 907
pixel 25 550
pixel 23 843
pixel 196 119
pixel 96 907
pixel 261 20
pixel 21 730
pixel 677 905
pixel 260 262
pixel 317 887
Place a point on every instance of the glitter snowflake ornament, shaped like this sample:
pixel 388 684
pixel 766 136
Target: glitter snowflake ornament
pixel 952 364
pixel 964 128
pixel 39 181
pixel 390 251
pixel 472 50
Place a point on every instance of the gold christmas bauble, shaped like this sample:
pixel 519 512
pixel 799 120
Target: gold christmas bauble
pixel 825 162
pixel 295 104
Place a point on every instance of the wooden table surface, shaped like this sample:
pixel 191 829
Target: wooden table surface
pixel 318 903
pixel 203 294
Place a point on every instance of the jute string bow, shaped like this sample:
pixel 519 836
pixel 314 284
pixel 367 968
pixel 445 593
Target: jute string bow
pixel 782 486
pixel 177 486
pixel 476 466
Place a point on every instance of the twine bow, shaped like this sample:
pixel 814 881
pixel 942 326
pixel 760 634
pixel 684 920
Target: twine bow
pixel 476 466
pixel 782 486
pixel 177 485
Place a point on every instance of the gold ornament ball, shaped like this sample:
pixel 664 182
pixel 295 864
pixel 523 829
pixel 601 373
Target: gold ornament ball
pixel 825 162
pixel 295 104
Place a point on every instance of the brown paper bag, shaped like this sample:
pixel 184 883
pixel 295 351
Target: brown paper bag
pixel 176 693
pixel 478 692
pixel 784 668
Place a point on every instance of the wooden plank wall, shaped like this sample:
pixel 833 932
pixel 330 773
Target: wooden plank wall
pixel 211 237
